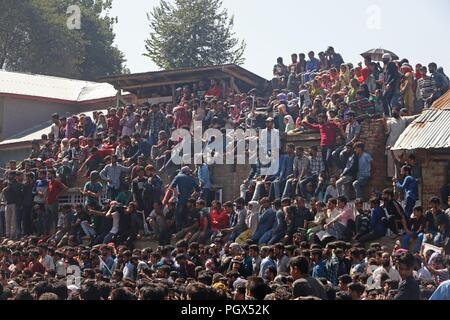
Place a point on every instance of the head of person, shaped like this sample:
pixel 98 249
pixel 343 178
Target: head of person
pixel 406 263
pixel 356 290
pixel 294 57
pixel 256 288
pixel 269 123
pixel 298 267
pixel 386 260
pixel 358 148
pixel 321 118
pixel 311 55
pixel 300 202
pixel 299 151
pixel 423 71
pixel 240 203
pixel 387 194
pixel 342 202
pixel 405 171
pixel 331 204
pixel 432 67
pixel 313 151
pixel 264 203
pixel 374 202
pixel 435 203
pixel 386 58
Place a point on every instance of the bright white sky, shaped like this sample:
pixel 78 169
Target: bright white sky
pixel 414 29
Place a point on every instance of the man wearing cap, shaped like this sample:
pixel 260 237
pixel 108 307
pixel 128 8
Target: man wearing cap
pixel 183 186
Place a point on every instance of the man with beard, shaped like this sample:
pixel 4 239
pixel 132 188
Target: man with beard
pixel 396 215
pixel 385 268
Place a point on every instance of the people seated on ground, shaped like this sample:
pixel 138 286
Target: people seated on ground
pixel 416 230
pixel 396 217
pixel 267 217
pixel 341 226
pixel 362 220
pixel 378 222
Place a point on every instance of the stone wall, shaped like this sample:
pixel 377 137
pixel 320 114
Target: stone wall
pixel 434 177
pixel 230 177
pixel 374 139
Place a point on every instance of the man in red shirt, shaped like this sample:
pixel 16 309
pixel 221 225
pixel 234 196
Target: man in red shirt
pixel 113 121
pixel 328 133
pixel 55 188
pixel 219 217
pixel 214 91
pixel 34 265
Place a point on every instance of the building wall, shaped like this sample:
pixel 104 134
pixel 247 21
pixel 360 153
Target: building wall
pixel 15 154
pixel 434 177
pixel 374 139
pixel 20 114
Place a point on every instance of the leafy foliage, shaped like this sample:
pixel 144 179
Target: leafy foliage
pixel 192 33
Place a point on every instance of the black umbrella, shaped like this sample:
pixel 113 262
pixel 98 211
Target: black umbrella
pixel 377 54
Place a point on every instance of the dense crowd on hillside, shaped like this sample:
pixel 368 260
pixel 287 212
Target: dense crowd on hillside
pixel 311 231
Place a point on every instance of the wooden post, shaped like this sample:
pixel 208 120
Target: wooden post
pixel 233 86
pixel 118 98
pixel 173 95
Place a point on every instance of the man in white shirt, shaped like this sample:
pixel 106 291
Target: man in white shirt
pixel 385 268
pixel 115 215
pixel 45 259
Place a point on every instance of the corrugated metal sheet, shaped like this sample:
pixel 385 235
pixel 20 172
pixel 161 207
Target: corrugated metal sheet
pixel 36 132
pixel 430 131
pixel 53 88
pixel 443 102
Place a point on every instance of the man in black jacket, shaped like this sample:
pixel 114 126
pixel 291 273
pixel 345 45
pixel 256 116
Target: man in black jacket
pixel 396 217
pixel 13 199
pixel 347 176
pixel 409 287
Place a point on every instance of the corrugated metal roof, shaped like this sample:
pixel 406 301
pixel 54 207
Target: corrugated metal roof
pixel 443 102
pixel 53 88
pixel 36 132
pixel 429 131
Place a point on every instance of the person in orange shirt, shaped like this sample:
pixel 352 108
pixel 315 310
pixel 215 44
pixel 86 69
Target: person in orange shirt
pixel 219 217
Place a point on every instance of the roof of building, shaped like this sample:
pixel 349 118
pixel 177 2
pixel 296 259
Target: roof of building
pixel 25 137
pixel 53 88
pixel 137 83
pixel 431 130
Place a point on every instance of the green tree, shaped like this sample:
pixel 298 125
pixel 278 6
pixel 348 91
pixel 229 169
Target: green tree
pixel 192 33
pixel 39 40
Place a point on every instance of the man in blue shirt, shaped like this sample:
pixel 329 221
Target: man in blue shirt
pixel 319 269
pixel 442 292
pixel 409 186
pixel 313 64
pixel 205 182
pixel 143 148
pixel 285 170
pixel 184 186
pixel 364 169
pixel 267 253
pixel 378 221
pixel 267 219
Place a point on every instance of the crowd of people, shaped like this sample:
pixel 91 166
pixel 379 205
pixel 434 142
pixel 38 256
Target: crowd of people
pixel 312 230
